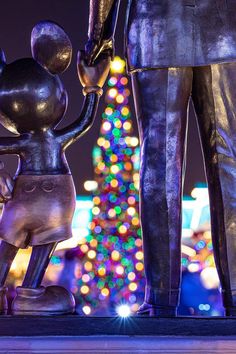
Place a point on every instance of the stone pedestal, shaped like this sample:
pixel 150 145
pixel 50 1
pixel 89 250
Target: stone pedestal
pixel 90 335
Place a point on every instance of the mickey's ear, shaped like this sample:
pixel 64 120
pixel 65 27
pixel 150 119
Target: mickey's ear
pixel 51 47
pixel 2 60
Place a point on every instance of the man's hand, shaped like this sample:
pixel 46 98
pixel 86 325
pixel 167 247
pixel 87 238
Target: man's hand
pixel 6 184
pixel 94 48
pixel 93 75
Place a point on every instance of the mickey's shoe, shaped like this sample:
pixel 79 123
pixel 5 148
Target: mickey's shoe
pixel 3 300
pixel 53 300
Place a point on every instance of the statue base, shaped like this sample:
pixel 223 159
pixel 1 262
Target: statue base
pixel 90 335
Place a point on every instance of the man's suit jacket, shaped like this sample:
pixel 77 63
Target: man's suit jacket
pixel 172 33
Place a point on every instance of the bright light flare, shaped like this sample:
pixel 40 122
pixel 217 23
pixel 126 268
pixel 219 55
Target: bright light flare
pixel 123 311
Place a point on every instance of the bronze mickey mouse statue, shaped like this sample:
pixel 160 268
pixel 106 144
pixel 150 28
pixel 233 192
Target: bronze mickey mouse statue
pixel 39 203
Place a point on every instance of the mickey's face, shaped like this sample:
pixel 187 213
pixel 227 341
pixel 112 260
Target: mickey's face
pixel 32 97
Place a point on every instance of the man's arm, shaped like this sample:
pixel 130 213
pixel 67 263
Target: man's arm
pixel 102 23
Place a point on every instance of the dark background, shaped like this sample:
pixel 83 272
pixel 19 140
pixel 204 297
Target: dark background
pixel 17 19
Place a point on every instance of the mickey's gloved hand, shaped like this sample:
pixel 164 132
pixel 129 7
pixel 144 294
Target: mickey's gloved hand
pixel 6 184
pixel 93 77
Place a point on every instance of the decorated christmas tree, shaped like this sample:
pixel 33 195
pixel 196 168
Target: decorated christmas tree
pixel 112 262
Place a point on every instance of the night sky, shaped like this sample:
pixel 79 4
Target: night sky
pixel 17 19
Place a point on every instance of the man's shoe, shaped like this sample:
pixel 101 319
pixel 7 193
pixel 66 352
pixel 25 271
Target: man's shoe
pixel 156 311
pixel 53 300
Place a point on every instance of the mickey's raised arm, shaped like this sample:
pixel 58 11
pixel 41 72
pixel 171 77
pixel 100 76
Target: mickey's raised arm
pixel 92 79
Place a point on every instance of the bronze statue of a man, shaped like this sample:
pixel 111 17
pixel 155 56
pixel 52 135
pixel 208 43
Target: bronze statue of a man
pixel 177 50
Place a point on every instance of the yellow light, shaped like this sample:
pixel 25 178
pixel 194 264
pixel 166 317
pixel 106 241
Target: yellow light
pixel 127 125
pixel 92 225
pixel 82 240
pixel 207 235
pixel 188 251
pixel 114 183
pixel 87 310
pixel 136 177
pixel 90 185
pixel 193 267
pixel 117 65
pixel 84 289
pixel 113 158
pixel 108 111
pixel 96 200
pixel 131 276
pixel 209 278
pixel 131 211
pixel 134 141
pixel 106 126
pixel 100 141
pixel 125 111
pixel 139 266
pixel 120 270
pixel 114 169
pixel 93 243
pixel 120 99
pixel 85 278
pixel 106 144
pixel 113 92
pixel 91 254
pixel 111 213
pixel 101 271
pixel 115 255
pixel 88 266
pixel 95 210
pixel 122 229
pixel 194 193
pixel 118 123
pixel 139 255
pixel 84 248
pixel 133 286
pixel 135 221
pixel 101 166
pixel 105 292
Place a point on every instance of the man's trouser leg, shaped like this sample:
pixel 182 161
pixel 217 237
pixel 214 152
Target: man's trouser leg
pixel 214 96
pixel 161 102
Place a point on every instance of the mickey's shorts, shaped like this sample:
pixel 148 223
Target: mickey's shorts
pixel 40 211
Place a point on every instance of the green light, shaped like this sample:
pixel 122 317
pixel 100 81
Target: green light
pixel 116 132
pixel 139 232
pixel 117 210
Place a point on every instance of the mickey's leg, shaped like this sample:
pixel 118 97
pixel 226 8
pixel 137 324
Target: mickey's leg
pixel 161 103
pixel 33 299
pixel 7 255
pixel 38 264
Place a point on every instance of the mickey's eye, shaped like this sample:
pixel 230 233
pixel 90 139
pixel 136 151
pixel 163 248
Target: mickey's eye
pixel 41 106
pixel 51 47
pixel 16 106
